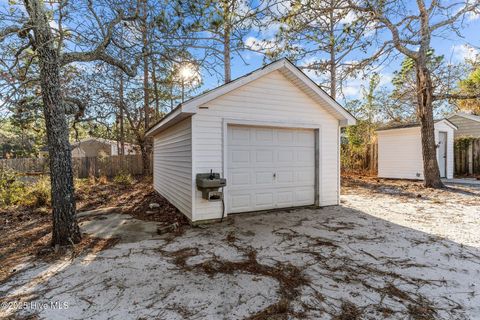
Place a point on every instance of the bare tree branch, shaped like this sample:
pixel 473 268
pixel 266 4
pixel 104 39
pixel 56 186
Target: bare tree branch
pixel 8 31
pixel 99 53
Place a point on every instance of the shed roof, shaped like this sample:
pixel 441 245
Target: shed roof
pixel 406 125
pixel 287 68
pixel 466 116
pixel 99 140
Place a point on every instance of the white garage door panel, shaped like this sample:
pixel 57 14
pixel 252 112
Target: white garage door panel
pixel 269 168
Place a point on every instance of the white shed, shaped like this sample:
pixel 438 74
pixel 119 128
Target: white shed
pixel 273 134
pixel 400 150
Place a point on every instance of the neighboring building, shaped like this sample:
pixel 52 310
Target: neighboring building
pixel 468 124
pixel 94 147
pixel 274 134
pixel 400 150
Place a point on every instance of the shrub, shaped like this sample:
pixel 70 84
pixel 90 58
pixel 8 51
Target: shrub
pixel 38 194
pixel 124 179
pixel 13 191
pixel 11 188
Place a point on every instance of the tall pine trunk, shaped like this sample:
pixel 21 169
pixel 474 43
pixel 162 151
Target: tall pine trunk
pixel 121 115
pixel 425 114
pixel 226 55
pixel 145 67
pixel 145 149
pixel 155 89
pixel 332 59
pixel 65 228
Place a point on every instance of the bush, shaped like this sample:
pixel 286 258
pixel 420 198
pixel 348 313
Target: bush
pixel 11 188
pixel 13 191
pixel 38 194
pixel 124 179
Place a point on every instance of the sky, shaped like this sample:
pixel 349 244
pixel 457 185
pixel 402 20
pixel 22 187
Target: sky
pixel 454 48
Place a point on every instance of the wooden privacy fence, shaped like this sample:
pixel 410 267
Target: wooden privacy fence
pixel 467 156
pixel 108 166
pixel 359 160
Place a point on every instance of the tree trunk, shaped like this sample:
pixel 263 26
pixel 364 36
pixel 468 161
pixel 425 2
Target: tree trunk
pixel 332 62
pixel 226 54
pixel 425 114
pixel 144 150
pixel 146 99
pixel 155 88
pixel 121 117
pixel 145 66
pixel 65 227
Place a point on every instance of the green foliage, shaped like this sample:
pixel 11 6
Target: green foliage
pixel 407 72
pixel 21 140
pixel 470 86
pixel 38 194
pixel 463 143
pixel 14 191
pixel 358 139
pixel 360 134
pixel 11 189
pixel 124 179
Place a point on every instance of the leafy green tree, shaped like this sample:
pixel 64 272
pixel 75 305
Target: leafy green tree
pixel 471 86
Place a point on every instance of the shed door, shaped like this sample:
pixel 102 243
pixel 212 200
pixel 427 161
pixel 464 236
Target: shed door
pixel 442 153
pixel 269 168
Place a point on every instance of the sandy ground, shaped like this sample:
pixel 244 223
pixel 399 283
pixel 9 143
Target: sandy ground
pixel 388 252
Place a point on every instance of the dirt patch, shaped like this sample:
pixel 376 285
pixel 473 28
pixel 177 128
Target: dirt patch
pixel 165 212
pixel 348 311
pixel 379 255
pixel 289 277
pixel 26 237
pixel 421 311
pixel 26 232
pixel 408 189
pixel 138 199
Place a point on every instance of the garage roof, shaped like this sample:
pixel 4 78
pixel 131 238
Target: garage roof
pixel 287 68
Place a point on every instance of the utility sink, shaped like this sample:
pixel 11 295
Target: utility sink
pixel 210 181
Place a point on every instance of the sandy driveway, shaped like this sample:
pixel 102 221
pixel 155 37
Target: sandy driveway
pixel 382 255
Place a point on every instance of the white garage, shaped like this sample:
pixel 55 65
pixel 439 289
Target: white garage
pixel 400 150
pixel 273 134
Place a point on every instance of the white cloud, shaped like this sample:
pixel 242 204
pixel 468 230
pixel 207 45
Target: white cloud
pixel 53 24
pixel 349 18
pixel 254 43
pixel 472 16
pixel 260 45
pixel 352 89
pixel 464 52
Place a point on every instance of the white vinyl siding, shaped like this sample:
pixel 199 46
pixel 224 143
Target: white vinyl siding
pixel 172 165
pixel 400 152
pixel 273 99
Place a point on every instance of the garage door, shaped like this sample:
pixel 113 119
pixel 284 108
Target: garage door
pixel 269 168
